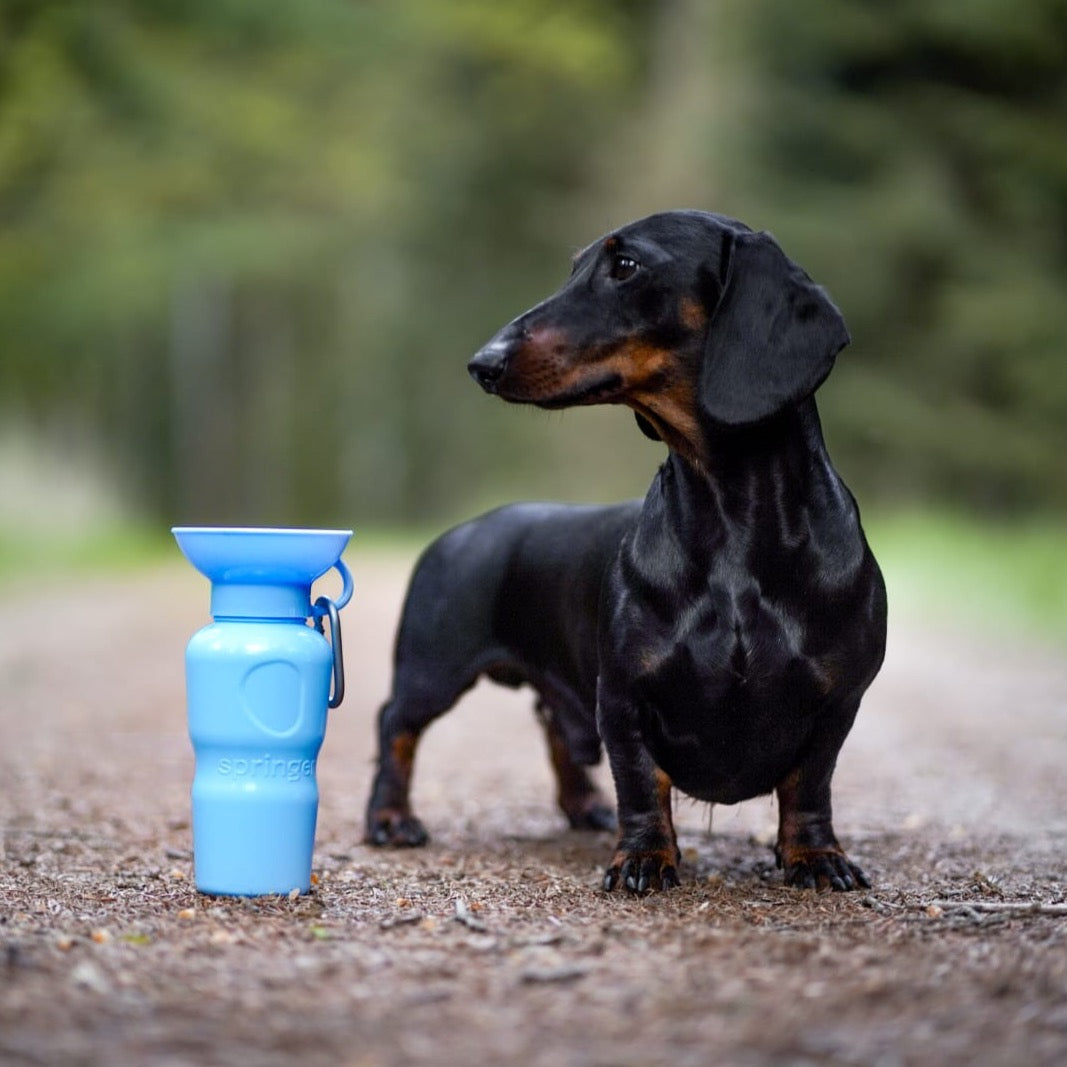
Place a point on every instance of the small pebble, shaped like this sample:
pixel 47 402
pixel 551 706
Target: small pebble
pixel 88 976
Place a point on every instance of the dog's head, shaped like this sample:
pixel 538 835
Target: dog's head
pixel 689 318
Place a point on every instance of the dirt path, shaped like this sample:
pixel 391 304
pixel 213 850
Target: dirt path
pixel 493 945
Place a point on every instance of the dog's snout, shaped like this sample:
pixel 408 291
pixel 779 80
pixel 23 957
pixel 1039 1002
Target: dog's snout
pixel 488 365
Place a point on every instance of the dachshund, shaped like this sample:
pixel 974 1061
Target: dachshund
pixel 717 637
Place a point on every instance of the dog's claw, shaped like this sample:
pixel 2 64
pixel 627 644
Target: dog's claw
pixel 642 872
pixel 821 870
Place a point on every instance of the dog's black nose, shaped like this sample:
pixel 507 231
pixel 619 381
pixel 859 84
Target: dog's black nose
pixel 488 366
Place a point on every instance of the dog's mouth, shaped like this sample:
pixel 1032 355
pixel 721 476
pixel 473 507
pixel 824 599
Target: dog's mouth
pixel 598 391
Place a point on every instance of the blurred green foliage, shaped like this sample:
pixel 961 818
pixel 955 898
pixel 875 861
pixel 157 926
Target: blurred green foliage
pixel 993 578
pixel 249 247
pixel 30 556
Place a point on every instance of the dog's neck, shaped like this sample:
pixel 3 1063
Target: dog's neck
pixel 794 431
pixel 779 460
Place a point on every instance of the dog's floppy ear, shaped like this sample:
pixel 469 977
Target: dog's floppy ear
pixel 772 339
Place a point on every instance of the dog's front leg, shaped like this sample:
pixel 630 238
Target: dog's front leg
pixel 647 854
pixel 807 849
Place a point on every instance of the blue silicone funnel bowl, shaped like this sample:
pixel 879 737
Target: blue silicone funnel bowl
pixel 260 572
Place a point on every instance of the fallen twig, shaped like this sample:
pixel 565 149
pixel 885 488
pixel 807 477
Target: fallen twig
pixel 463 915
pixel 1012 907
pixel 407 918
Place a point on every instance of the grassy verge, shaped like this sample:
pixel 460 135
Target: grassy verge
pixel 1009 577
pixel 25 555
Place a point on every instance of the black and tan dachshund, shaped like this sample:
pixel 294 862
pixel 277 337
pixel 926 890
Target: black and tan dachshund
pixel 716 637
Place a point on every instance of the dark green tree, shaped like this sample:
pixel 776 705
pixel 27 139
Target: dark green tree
pixel 914 153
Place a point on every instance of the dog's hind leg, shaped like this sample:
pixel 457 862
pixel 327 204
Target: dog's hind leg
pixel 577 794
pixel 401 722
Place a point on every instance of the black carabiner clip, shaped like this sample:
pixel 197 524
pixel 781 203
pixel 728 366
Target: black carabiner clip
pixel 325 606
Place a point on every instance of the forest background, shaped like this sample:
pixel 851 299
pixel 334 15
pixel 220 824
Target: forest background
pixel 246 249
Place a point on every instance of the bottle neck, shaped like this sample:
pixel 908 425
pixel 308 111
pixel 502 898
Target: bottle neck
pixel 263 603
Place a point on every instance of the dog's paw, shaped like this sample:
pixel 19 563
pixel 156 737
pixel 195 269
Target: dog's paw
pixel 394 829
pixel 643 871
pixel 594 816
pixel 822 869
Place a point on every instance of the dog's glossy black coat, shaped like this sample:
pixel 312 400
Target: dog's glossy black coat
pixel 721 634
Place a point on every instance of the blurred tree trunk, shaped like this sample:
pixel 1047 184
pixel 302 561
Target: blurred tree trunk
pixel 203 425
pixel 270 392
pixel 695 98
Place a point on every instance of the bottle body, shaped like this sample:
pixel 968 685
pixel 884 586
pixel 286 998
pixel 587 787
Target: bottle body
pixel 257 693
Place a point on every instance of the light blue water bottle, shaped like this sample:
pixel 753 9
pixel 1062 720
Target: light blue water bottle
pixel 259 681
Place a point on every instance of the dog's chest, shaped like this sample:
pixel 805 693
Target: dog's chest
pixel 717 651
pixel 723 695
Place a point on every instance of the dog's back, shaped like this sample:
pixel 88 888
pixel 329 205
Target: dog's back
pixel 512 594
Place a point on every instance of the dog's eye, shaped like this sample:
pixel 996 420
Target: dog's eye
pixel 623 267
